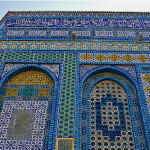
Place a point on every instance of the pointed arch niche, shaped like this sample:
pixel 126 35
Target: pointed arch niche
pixel 111 117
pixel 26 109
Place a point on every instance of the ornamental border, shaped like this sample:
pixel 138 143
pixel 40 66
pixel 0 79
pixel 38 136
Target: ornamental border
pixel 73 45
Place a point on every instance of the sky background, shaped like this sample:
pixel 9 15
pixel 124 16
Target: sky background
pixel 71 5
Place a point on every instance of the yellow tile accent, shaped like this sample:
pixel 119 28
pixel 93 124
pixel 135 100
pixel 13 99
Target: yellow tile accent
pixel 128 58
pixel 63 45
pixel 53 46
pixel 23 47
pixel 125 47
pixel 100 57
pixel 145 48
pixel 146 77
pixel 31 77
pixel 3 46
pixel 74 46
pixel 86 57
pixel 12 92
pixel 13 46
pixel 84 46
pixel 44 92
pixel 114 57
pixel 115 46
pixel 71 139
pixel 105 47
pixel 94 46
pixel 135 47
pixel 142 58
pixel 43 46
pixel 33 46
pixel 147 89
pixel 148 101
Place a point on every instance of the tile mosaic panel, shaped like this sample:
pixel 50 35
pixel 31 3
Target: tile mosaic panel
pixel 12 92
pixel 81 34
pixel 9 67
pixel 84 69
pixel 78 14
pixel 15 33
pixel 77 22
pixel 28 102
pixel 31 78
pixel 109 108
pixel 66 117
pixel 23 122
pixel 71 45
pixel 145 68
pixel 53 67
pixel 21 125
pixel 109 118
pixel 146 86
pixel 66 121
pixel 26 111
pixel 114 57
pixel 64 144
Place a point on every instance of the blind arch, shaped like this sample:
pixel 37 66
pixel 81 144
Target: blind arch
pixel 133 107
pixel 27 100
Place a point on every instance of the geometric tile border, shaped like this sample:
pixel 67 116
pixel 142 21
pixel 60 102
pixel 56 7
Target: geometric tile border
pixel 73 45
pixel 65 144
pixel 73 22
pixel 81 34
pixel 38 126
pixel 146 87
pixel 77 14
pixel 114 57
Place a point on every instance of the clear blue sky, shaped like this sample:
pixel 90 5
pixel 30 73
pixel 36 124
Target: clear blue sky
pixel 58 5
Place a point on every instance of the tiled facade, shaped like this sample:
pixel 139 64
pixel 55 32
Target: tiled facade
pixel 87 92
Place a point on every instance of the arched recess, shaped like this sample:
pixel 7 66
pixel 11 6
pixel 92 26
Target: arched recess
pixel 110 115
pixel 27 105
